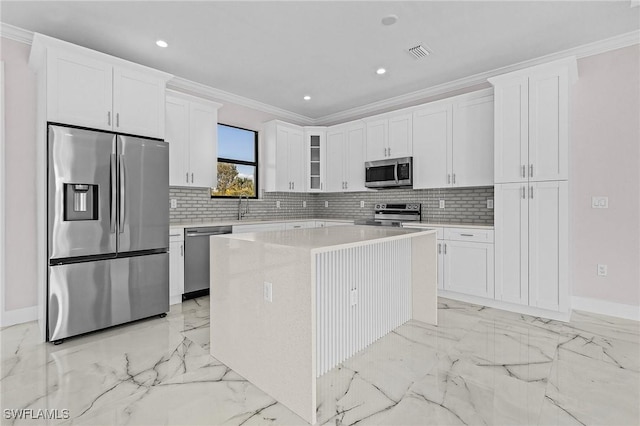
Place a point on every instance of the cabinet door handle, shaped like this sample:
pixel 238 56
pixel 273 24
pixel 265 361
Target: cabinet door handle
pixel 454 178
pixel 117 119
pixel 108 118
pixel 531 192
pixel 346 185
pixel 524 193
pixel 448 178
pixel 293 185
pixel 187 176
pixel 182 250
pixel 524 171
pixel 320 186
pixel 389 151
pixel 191 177
pixel 530 170
pixel 445 249
pixel 439 248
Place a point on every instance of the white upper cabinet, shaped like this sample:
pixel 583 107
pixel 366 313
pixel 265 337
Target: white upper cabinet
pixel 192 134
pixel 472 148
pixel 285 159
pixel 389 137
pixel 432 141
pixel 453 142
pixel 345 158
pixel 532 123
pixel 316 158
pixel 90 89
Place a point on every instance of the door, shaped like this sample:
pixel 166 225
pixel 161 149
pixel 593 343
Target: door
pixel 138 103
pixel 81 192
pixel 431 137
pixel 511 128
pixel 177 135
pixel 79 90
pixel 512 242
pixel 354 159
pixel 336 149
pixel 400 136
pixel 472 148
pixel 296 164
pixel 548 256
pixel 143 183
pixel 468 268
pixel 89 296
pixel 548 126
pixel 203 145
pixel 377 144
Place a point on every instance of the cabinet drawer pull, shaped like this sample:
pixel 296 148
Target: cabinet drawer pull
pixel 531 170
pixel 524 193
pixel 531 192
pixel 467 235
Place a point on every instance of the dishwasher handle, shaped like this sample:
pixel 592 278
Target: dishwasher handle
pixel 206 232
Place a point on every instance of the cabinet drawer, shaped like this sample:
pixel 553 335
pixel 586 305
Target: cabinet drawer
pixel 469 234
pixel 176 234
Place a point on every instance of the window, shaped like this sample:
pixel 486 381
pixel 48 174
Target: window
pixel 237 162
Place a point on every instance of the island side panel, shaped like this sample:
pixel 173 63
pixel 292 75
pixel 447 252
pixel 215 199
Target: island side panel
pixel 268 343
pixel 424 271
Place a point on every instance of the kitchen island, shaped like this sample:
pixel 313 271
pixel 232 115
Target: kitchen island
pixel 287 306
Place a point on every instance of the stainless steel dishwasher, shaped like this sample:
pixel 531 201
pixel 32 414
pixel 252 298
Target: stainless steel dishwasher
pixel 196 259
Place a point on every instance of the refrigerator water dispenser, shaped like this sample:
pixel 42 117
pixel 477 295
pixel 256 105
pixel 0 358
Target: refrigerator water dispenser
pixel 80 201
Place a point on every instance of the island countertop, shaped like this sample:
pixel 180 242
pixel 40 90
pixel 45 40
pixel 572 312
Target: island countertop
pixel 329 238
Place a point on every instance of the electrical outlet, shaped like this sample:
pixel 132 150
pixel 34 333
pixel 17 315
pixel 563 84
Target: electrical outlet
pixel 304 204
pixel 174 203
pixel 268 292
pixel 600 202
pixel 354 297
pixel 277 204
pixel 489 203
pixel 326 204
pixel 361 204
pixel 602 270
pixel 442 204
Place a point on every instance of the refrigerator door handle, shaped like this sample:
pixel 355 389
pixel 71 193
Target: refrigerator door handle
pixel 114 191
pixel 122 195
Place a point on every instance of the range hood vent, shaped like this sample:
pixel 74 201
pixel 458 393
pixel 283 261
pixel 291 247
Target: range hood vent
pixel 419 51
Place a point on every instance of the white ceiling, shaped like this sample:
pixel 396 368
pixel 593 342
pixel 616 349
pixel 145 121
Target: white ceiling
pixel 275 52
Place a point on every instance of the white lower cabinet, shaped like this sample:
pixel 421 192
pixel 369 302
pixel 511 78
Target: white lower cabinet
pixel 258 227
pixel 532 244
pixel 176 266
pixel 467 261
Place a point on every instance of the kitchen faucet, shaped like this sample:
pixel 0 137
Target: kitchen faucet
pixel 242 212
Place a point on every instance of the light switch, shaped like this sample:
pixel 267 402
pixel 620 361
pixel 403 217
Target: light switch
pixel 304 204
pixel 442 204
pixel 361 204
pixel 326 204
pixel 277 204
pixel 600 202
pixel 174 203
pixel 268 292
pixel 489 203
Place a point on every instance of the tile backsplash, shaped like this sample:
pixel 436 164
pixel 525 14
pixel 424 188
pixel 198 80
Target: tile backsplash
pixel 462 205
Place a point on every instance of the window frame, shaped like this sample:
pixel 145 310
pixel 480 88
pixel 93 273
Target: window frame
pixel 241 163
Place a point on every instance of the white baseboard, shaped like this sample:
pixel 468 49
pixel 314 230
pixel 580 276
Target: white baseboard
pixel 18 316
pixel 604 307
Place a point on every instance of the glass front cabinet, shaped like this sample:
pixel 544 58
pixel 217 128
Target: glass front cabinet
pixel 315 146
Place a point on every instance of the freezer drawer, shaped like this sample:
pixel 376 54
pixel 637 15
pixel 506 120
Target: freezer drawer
pixel 88 296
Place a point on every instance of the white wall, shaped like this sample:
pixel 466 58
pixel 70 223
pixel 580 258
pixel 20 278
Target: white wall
pixel 20 294
pixel 605 161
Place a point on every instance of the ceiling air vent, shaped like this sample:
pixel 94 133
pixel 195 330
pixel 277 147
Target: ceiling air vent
pixel 419 51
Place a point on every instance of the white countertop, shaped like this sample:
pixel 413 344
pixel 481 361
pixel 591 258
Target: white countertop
pixel 446 225
pixel 231 222
pixel 327 238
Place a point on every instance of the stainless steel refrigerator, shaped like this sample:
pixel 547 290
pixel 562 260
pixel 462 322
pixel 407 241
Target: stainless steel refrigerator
pixel 108 230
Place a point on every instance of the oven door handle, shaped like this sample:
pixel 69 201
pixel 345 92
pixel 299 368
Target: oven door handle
pixel 395 172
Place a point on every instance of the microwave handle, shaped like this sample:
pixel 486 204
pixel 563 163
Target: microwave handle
pixel 395 172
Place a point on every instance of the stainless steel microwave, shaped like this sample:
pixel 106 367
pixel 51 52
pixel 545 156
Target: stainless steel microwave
pixel 391 173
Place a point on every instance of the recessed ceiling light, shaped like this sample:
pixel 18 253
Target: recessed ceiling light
pixel 162 43
pixel 389 20
pixel 380 71
pixel 306 97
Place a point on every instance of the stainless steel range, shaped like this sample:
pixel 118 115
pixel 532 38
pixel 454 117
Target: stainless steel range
pixel 393 214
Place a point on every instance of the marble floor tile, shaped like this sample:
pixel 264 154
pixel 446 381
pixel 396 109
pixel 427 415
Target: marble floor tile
pixel 477 366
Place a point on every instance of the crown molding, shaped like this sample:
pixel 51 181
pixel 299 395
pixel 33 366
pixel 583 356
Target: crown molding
pixel 192 87
pixel 590 49
pixel 15 33
pixel 182 84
